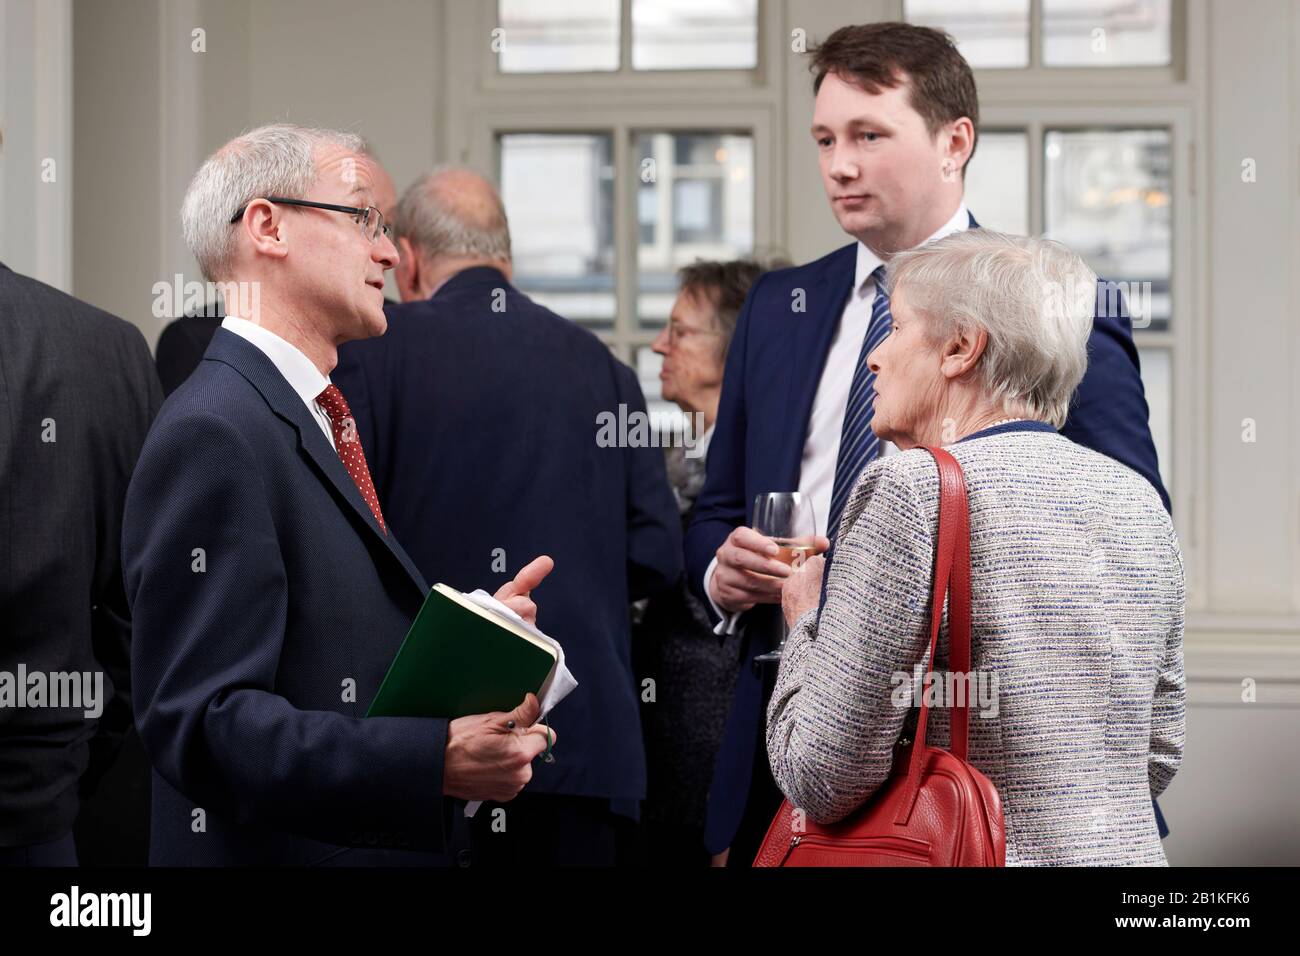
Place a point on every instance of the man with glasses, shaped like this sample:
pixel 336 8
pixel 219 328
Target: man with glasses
pixel 269 593
pixel 182 343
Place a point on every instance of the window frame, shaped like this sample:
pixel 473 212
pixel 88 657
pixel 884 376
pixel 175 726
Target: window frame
pixel 1038 97
pixel 767 102
pixel 623 103
pixel 627 335
pixel 625 79
pixel 1185 336
pixel 1106 77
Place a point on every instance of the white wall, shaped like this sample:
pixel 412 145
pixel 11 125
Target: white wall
pixel 36 156
pixel 117 203
pixel 154 106
pixel 371 68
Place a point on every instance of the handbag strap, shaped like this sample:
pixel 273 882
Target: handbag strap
pixel 951 578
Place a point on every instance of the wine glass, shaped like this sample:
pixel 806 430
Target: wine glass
pixel 787 518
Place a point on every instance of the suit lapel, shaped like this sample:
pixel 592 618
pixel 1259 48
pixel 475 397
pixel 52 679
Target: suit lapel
pixel 328 463
pixel 261 372
pixel 810 343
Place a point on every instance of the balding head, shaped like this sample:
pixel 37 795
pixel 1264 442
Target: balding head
pixel 449 220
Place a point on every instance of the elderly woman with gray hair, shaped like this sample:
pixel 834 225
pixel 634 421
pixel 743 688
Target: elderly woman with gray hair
pixel 1076 574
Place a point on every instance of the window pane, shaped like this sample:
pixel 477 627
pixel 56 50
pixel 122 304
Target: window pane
pixel 1106 32
pixel 1157 379
pixel 558 36
pixel 997 181
pixel 989 33
pixel 694 34
pixel 695 201
pixel 558 189
pixel 1107 196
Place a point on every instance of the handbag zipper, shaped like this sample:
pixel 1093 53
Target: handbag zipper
pixel 894 846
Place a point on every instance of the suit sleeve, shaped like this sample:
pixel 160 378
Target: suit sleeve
pixel 208 640
pixel 1109 412
pixel 721 507
pixel 832 721
pixel 1169 707
pixel 110 614
pixel 654 528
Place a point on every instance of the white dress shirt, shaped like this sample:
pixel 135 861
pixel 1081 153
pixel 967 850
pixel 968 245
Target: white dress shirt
pixel 298 370
pixel 821 447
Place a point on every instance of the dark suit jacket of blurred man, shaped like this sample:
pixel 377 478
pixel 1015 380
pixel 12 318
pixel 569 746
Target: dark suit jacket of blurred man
pixel 268 605
pixel 182 344
pixel 480 424
pixel 77 393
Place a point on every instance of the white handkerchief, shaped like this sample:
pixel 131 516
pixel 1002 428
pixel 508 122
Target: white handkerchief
pixel 558 684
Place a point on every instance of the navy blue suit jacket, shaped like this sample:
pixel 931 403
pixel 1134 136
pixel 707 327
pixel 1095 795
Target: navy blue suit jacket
pixel 773 368
pixel 478 411
pixel 244 651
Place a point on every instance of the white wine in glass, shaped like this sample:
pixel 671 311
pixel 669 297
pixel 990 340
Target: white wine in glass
pixel 787 518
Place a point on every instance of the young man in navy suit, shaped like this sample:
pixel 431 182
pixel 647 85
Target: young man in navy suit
pixel 895 123
pixel 268 592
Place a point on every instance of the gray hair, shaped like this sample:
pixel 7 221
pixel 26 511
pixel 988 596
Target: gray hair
pixel 725 286
pixel 1034 298
pixel 276 160
pixel 439 221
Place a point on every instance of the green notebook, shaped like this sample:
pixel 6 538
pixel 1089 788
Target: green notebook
pixel 459 658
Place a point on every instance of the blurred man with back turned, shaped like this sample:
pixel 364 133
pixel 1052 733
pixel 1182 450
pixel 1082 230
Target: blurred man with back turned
pixel 479 411
pixel 77 393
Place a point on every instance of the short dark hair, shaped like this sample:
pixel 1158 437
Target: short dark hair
pixel 724 285
pixel 877 56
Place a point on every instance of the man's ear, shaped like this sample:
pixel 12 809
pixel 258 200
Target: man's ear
pixel 963 351
pixel 959 140
pixel 265 227
pixel 407 272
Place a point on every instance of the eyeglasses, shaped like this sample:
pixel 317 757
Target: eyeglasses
pixel 370 219
pixel 676 332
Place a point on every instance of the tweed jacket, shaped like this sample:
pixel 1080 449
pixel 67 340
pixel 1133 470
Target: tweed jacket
pixel 1077 627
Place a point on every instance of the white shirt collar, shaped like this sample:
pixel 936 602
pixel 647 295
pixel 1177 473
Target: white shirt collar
pixel 702 443
pixel 868 261
pixel 298 370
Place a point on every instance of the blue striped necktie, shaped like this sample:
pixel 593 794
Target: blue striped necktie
pixel 858 443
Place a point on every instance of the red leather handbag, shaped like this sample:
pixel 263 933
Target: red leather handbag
pixel 935 809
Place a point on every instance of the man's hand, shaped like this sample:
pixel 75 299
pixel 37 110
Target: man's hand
pixel 748 572
pixel 803 589
pixel 486 759
pixel 515 594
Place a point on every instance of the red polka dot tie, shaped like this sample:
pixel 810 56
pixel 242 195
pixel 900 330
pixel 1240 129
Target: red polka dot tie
pixel 348 444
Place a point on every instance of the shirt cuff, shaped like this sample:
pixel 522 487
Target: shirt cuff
pixel 730 623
